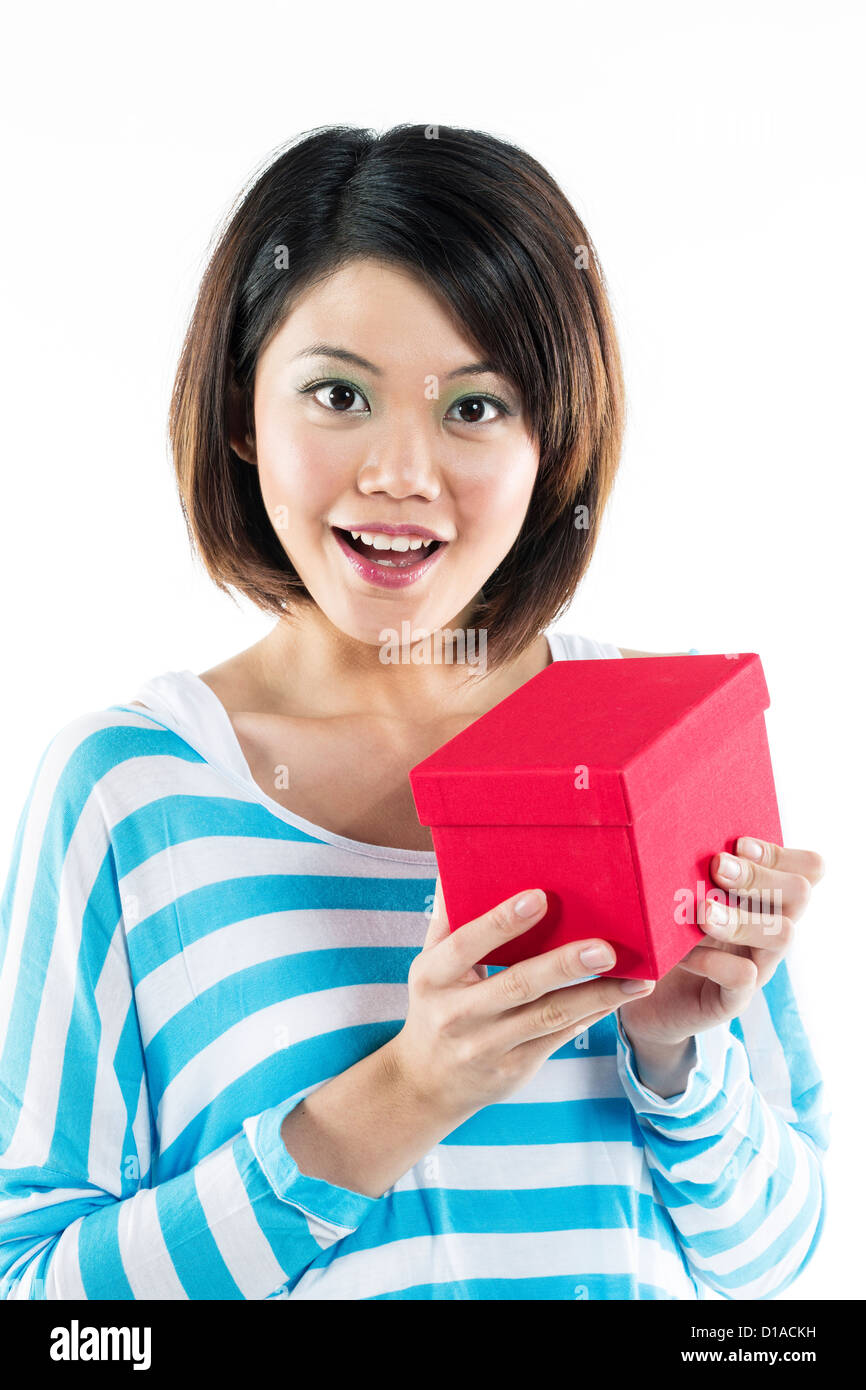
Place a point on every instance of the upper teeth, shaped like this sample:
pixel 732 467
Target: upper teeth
pixel 382 542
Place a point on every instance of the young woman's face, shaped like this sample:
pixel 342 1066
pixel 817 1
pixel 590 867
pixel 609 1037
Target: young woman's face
pixel 406 439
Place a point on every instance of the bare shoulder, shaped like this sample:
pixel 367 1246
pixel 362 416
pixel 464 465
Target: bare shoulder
pixel 626 651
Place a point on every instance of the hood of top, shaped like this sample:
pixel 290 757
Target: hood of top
pixel 181 702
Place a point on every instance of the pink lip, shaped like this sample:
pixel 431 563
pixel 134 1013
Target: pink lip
pixel 387 578
pixel 386 530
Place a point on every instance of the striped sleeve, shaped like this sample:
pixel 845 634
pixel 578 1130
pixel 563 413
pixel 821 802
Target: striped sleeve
pixel 80 1213
pixel 737 1157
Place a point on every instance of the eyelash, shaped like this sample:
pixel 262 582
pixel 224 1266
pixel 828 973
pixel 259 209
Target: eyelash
pixel 309 387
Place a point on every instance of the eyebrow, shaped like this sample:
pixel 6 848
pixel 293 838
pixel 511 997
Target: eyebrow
pixel 344 355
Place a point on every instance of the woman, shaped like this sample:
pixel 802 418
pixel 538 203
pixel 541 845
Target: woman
pixel 242 1056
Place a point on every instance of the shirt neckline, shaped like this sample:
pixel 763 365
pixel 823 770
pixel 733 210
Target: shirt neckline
pixel 231 762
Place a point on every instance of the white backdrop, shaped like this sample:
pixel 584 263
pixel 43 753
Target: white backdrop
pixel 714 154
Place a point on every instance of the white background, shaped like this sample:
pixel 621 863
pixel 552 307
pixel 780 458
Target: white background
pixel 714 153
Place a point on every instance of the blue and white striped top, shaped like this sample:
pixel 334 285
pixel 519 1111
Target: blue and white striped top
pixel 182 960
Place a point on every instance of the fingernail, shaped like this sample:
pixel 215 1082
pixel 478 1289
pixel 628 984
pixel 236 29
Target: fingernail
pixel 719 919
pixel 728 867
pixel 635 986
pixel 597 956
pixel 751 849
pixel 529 903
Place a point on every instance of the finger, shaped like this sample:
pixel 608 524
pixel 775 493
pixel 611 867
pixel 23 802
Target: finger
pixel 766 961
pixel 546 1046
pixel 792 861
pixel 471 942
pixel 553 970
pixel 740 926
pixel 564 1008
pixel 765 889
pixel 736 976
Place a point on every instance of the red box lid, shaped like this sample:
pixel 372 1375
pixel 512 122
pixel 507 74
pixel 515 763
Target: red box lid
pixel 629 721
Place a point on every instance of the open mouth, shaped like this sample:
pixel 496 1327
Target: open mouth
pixel 388 559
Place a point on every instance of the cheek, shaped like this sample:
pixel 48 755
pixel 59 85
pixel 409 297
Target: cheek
pixel 492 503
pixel 300 473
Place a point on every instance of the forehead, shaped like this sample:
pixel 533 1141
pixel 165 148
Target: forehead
pixel 381 312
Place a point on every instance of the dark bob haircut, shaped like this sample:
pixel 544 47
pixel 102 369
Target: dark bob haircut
pixel 485 228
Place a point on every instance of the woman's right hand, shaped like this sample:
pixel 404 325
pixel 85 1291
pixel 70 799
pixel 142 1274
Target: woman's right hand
pixel 471 1039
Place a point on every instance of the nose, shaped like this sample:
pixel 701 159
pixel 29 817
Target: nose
pixel 400 467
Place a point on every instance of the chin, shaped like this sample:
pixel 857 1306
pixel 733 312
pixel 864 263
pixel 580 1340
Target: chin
pixel 393 623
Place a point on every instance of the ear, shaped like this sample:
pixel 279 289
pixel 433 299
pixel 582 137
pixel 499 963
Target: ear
pixel 238 420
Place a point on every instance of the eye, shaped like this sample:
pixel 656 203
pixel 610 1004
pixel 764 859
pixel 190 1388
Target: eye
pixel 338 391
pixel 476 401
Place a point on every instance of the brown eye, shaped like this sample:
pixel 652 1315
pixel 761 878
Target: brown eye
pixel 472 410
pixel 339 397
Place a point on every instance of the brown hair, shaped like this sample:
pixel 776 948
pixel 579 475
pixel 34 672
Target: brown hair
pixel 484 227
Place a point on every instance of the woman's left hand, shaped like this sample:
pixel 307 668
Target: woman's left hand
pixel 717 979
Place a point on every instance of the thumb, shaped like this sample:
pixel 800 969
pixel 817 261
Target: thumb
pixel 438 929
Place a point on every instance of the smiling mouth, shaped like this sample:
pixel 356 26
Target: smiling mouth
pixel 388 559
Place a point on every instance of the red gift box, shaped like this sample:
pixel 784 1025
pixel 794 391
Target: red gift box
pixel 610 784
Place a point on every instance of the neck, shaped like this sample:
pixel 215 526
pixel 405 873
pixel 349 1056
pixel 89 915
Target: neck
pixel 307 666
